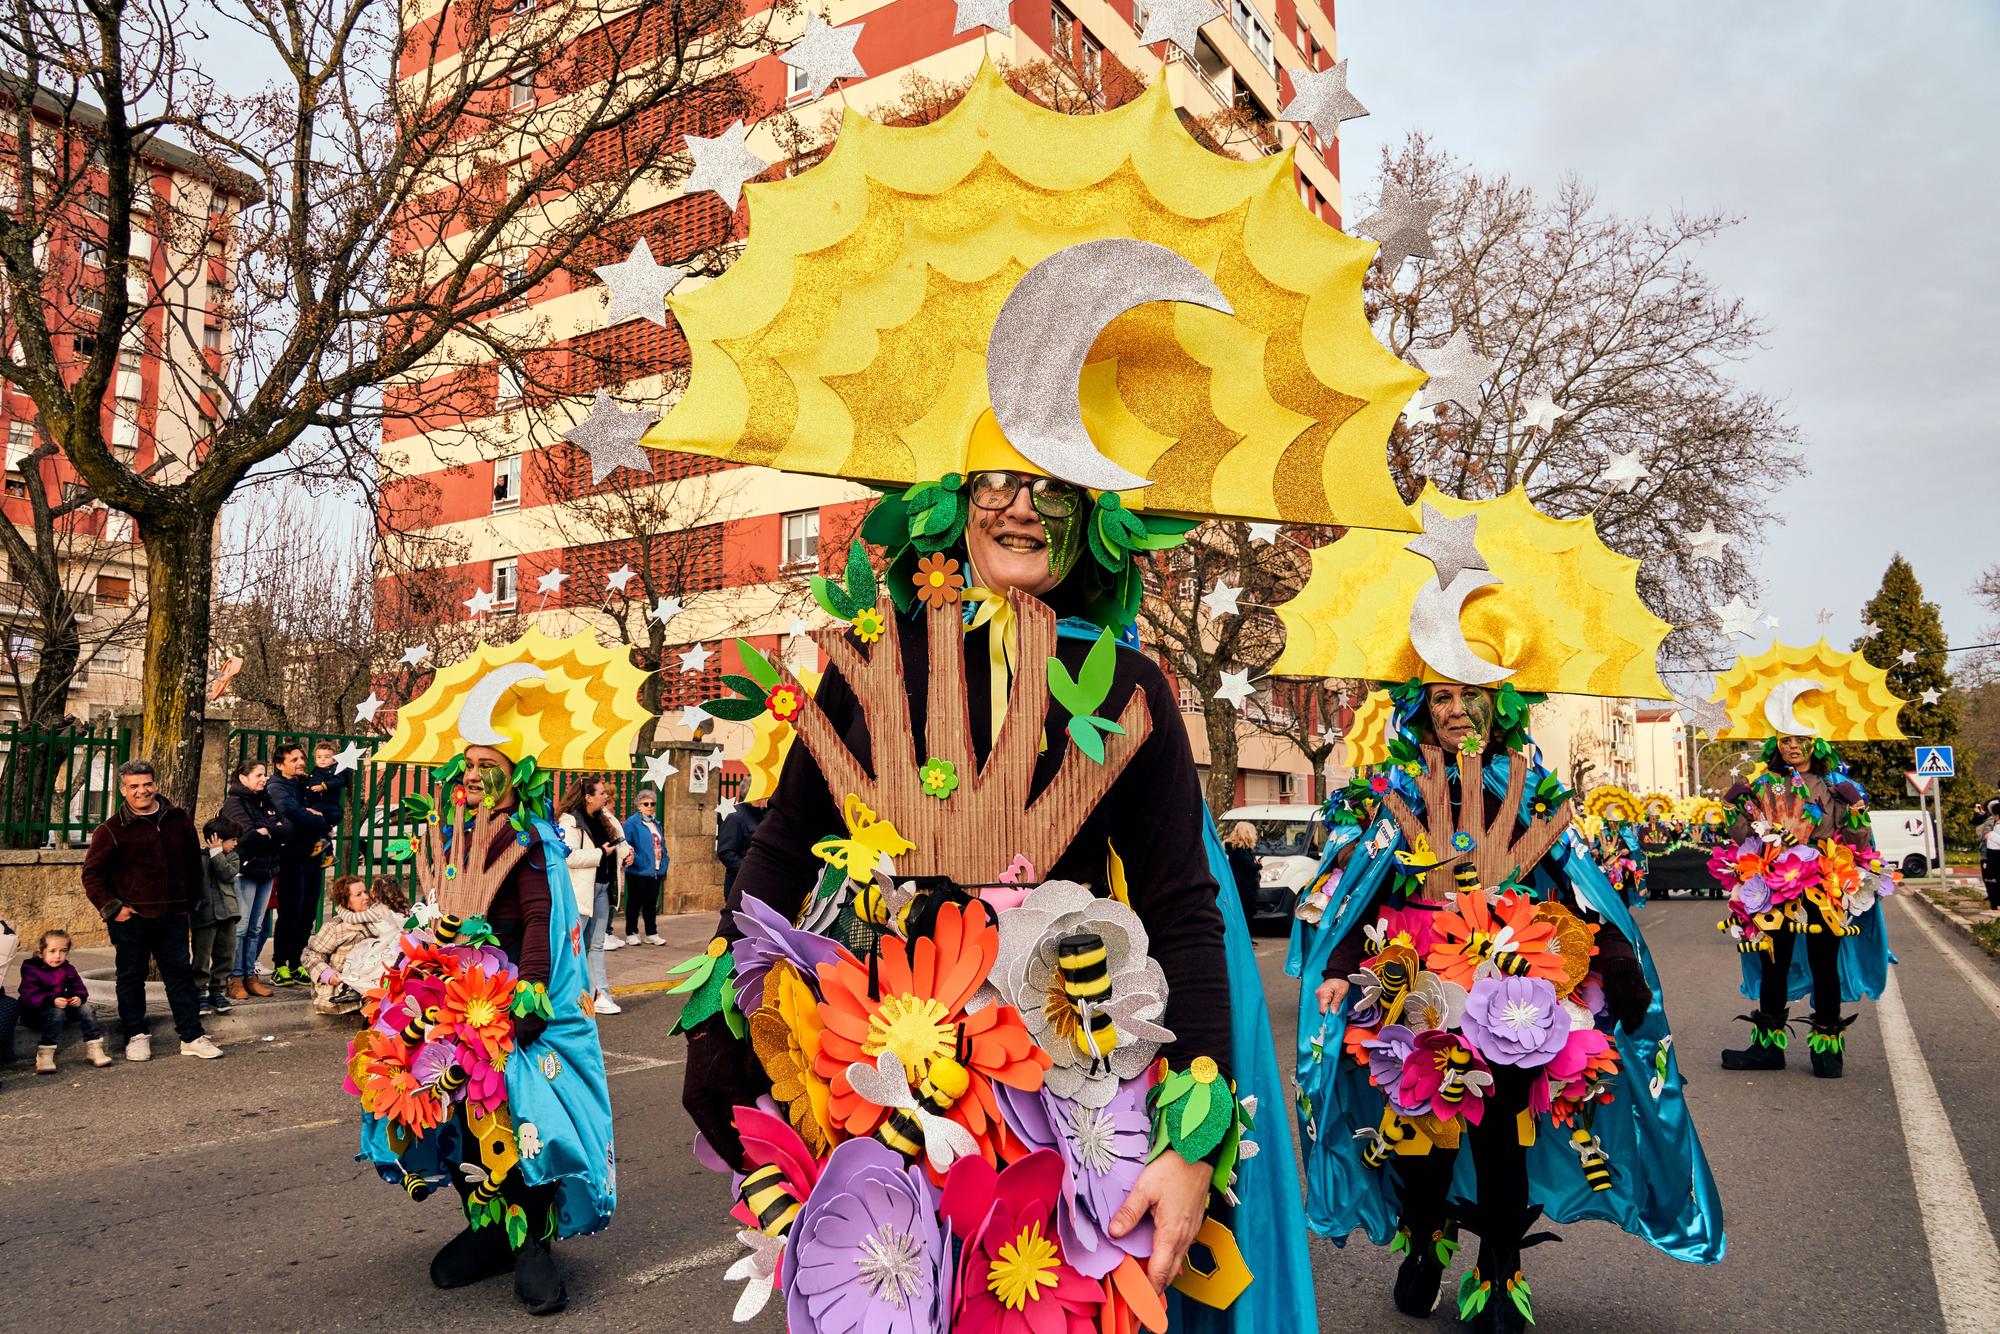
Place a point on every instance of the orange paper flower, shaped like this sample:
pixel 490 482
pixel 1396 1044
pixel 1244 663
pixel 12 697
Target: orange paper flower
pixel 938 580
pixel 478 1006
pixel 917 1010
pixel 1473 930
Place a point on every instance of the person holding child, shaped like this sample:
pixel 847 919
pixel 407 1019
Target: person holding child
pixel 345 957
pixel 324 791
pixel 215 915
pixel 260 836
pixel 52 993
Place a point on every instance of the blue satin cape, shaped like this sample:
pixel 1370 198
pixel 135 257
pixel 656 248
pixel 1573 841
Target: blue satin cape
pixel 1864 964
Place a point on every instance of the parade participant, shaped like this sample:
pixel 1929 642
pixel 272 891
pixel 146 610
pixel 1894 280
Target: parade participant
pixel 984 954
pixel 1613 814
pixel 1472 980
pixel 480 1064
pixel 1800 857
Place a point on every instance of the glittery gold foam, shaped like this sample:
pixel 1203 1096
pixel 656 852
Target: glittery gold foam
pixel 1854 703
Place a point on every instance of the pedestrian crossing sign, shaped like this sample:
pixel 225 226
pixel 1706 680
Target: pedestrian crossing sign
pixel 1936 762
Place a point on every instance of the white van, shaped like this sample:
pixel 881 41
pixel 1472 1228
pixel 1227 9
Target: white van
pixel 1289 842
pixel 1904 840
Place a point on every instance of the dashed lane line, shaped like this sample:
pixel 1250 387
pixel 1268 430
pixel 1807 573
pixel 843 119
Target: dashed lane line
pixel 1982 984
pixel 1965 1263
pixel 714 1255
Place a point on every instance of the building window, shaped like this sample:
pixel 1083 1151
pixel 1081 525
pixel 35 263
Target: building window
pixel 215 294
pixel 1139 15
pixel 92 255
pixel 1257 36
pixel 114 589
pixel 521 89
pixel 129 356
pixel 1188 698
pixel 507 483
pixel 504 579
pixel 514 277
pixel 802 539
pixel 509 393
pixel 1093 62
pixel 797 83
pixel 90 299
pixel 211 337
pixel 20 443
pixel 21 648
pixel 1062 35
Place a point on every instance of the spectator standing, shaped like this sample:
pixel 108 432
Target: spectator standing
pixel 732 841
pixel 143 872
pixel 1989 852
pixel 326 793
pixel 10 1008
pixel 53 993
pixel 298 864
pixel 216 916
pixel 261 832
pixel 1241 845
pixel 646 873
pixel 597 849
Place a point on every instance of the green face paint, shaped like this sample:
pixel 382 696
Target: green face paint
pixel 496 784
pixel 1479 712
pixel 1065 538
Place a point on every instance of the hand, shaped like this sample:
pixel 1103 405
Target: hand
pixel 529 1029
pixel 1330 994
pixel 1175 1192
pixel 1626 994
pixel 722 1074
pixel 124 915
pixel 265 832
pixel 625 857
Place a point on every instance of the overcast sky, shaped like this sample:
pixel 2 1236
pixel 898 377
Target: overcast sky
pixel 1860 143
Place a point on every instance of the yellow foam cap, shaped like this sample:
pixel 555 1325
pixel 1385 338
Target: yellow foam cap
pixel 583 713
pixel 849 338
pixel 1852 703
pixel 1566 615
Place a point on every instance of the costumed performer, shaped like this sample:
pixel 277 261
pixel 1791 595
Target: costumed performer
pixel 1800 858
pixel 480 1063
pixel 1473 977
pixel 1611 812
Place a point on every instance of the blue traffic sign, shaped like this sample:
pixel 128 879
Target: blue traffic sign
pixel 1936 762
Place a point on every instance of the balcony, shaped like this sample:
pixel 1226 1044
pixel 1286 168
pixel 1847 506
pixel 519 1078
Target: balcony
pixel 14 602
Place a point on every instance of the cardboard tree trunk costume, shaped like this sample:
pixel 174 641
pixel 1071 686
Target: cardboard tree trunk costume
pixel 442 1080
pixel 1798 857
pixel 965 1045
pixel 1444 919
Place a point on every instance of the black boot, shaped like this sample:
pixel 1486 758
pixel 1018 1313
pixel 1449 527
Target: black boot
pixel 473 1256
pixel 1427 1251
pixel 1828 1042
pixel 537 1282
pixel 1493 1296
pixel 1769 1036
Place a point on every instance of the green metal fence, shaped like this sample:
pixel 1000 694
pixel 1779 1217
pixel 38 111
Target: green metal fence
pixel 55 787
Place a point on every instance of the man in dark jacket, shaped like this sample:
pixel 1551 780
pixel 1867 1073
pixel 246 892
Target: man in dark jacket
pixel 298 864
pixel 144 873
pixel 732 841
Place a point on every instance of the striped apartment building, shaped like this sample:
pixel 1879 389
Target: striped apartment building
pixel 733 545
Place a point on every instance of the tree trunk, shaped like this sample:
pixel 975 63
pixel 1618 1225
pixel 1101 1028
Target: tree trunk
pixel 180 575
pixel 1220 720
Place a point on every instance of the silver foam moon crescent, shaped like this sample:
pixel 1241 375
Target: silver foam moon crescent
pixel 1784 698
pixel 1439 638
pixel 1035 354
pixel 475 716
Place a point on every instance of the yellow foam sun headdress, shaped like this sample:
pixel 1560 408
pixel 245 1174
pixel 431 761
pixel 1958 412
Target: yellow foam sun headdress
pixel 852 336
pixel 1816 691
pixel 1656 806
pixel 1700 811
pixel 1612 803
pixel 570 703
pixel 1367 738
pixel 1493 591
pixel 770 742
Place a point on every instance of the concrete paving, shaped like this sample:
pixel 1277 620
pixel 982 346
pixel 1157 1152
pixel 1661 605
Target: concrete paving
pixel 188 1195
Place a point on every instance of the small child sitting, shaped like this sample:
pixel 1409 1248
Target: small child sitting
pixel 215 917
pixel 345 958
pixel 52 992
pixel 325 792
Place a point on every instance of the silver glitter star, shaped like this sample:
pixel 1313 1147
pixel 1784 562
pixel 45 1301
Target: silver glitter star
pixel 1451 545
pixel 1541 413
pixel 1320 99
pixel 365 711
pixel 1403 226
pixel 825 54
pixel 1907 658
pixel 345 761
pixel 1932 695
pixel 637 287
pixel 1177 21
pixel 1221 600
pixel 659 768
pixel 1705 715
pixel 1456 370
pixel 983 14
pixel 1706 544
pixel 551 582
pixel 615 581
pixel 610 435
pixel 722 164
pixel 415 655
pixel 1235 687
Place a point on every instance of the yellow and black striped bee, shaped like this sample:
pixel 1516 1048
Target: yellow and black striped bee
pixel 446 928
pixel 1085 966
pixel 421 1018
pixel 770 1200
pixel 1379 1143
pixel 451 1079
pixel 1460 1078
pixel 1596 1163
pixel 417 1187
pixel 1466 875
pixel 916 1123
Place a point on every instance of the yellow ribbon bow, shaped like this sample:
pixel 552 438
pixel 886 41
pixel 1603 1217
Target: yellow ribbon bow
pixel 1003 647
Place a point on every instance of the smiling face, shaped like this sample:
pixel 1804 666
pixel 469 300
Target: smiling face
pixel 1459 713
pixel 1017 548
pixel 486 769
pixel 1795 752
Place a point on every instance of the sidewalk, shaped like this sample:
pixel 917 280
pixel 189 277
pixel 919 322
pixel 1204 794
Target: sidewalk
pixel 634 970
pixel 1961 901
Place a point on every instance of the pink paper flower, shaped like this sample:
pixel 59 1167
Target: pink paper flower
pixel 1013 1276
pixel 1438 1066
pixel 1795 871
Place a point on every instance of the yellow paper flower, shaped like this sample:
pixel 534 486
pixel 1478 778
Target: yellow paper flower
pixel 785 1033
pixel 868 626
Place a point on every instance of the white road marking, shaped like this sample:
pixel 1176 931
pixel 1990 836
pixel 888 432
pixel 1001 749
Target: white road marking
pixel 714 1255
pixel 637 1062
pixel 1981 983
pixel 238 1139
pixel 1965 1263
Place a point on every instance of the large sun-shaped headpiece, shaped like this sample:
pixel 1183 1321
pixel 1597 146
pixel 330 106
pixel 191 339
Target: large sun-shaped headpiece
pixel 1367 737
pixel 1493 591
pixel 1098 298
pixel 568 703
pixel 1611 802
pixel 1816 691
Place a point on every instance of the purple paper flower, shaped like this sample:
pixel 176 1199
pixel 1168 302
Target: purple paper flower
pixel 1515 1021
pixel 866 1252
pixel 491 959
pixel 1387 1051
pixel 1103 1150
pixel 434 1058
pixel 1754 894
pixel 767 938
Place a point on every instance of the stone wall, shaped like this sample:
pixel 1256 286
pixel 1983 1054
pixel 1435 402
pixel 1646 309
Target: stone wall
pixel 687 820
pixel 41 889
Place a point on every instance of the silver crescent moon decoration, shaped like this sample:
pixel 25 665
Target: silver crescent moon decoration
pixel 1035 354
pixel 1439 638
pixel 1783 699
pixel 475 716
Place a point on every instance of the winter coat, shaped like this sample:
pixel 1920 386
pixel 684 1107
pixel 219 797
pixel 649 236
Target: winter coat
pixel 587 856
pixel 250 811
pixel 326 793
pixel 350 950
pixel 148 863
pixel 308 826
pixel 219 905
pixel 41 984
pixel 644 835
pixel 9 942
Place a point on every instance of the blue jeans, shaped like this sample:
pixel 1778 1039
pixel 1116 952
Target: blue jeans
pixel 253 898
pixel 600 922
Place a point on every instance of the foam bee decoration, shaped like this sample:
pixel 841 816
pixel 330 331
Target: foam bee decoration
pixel 917 1121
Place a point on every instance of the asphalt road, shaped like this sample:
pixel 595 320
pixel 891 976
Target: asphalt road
pixel 188 1195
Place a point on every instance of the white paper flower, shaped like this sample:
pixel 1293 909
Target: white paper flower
pixel 760 1267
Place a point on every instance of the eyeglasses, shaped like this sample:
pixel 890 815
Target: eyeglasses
pixel 996 491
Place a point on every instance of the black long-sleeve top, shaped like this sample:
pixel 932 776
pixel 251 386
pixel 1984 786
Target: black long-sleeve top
pixel 1152 817
pixel 519 913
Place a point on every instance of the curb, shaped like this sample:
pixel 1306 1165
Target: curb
pixel 1964 925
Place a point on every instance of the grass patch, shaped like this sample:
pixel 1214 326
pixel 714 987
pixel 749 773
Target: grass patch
pixel 1988 936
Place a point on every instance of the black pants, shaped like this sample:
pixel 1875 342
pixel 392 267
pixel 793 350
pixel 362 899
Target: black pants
pixel 52 1018
pixel 537 1202
pixel 296 879
pixel 1822 956
pixel 139 943
pixel 642 899
pixel 1501 1163
pixel 1989 871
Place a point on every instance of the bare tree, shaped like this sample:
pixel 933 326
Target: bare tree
pixel 350 226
